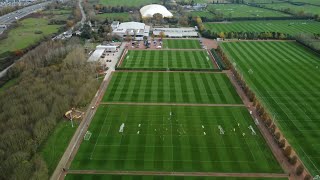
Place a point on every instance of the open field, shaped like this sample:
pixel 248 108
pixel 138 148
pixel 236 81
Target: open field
pixel 285 77
pixel 54 147
pixel 114 16
pixel 174 138
pixel 316 2
pixel 264 1
pixel 62 14
pixel 301 8
pixel 173 87
pixel 130 177
pixel 199 1
pixel 24 35
pixel 236 10
pixel 182 59
pixel 136 3
pixel 283 26
pixel 181 44
pixel 201 13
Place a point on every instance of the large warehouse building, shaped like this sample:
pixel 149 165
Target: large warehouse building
pixel 134 29
pixel 149 10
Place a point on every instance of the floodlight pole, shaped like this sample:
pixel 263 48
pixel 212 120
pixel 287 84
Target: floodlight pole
pixel 71 119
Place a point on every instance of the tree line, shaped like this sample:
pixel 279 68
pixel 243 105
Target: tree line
pixel 245 35
pixel 51 79
pixel 312 41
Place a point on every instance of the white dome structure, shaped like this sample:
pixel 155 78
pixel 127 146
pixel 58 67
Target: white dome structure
pixel 149 10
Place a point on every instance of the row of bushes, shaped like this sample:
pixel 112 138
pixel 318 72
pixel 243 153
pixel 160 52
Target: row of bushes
pixel 265 116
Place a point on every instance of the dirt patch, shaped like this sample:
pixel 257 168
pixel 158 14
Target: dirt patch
pixel 210 43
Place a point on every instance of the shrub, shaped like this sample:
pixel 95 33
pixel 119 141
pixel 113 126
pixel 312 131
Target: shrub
pixel 287 151
pixel 299 170
pixel 293 160
pixel 38 32
pixel 282 143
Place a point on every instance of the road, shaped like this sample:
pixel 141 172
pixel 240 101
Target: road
pixel 11 17
pixel 68 34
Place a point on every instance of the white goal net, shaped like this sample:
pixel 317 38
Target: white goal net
pixel 87 136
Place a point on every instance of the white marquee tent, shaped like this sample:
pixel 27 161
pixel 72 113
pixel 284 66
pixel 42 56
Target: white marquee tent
pixel 149 10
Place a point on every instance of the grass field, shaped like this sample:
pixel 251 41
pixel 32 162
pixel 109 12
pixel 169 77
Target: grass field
pixel 167 59
pixel 54 147
pixel 62 14
pixel 201 13
pixel 181 44
pixel 136 3
pixel 265 1
pixel 24 35
pixel 130 177
pixel 285 76
pixel 237 10
pixel 8 84
pixel 114 16
pixel 301 8
pixel 187 140
pixel 174 87
pixel 282 26
pixel 316 2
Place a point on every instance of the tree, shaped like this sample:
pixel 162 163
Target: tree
pixel 299 170
pixel 307 177
pixel 221 35
pixel 128 38
pixel 287 151
pixel 162 35
pixel 293 160
pixel 282 143
pixel 86 32
pixel 157 17
pixel 277 136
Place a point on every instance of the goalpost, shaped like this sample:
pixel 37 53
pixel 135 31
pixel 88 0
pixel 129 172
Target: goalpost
pixel 87 136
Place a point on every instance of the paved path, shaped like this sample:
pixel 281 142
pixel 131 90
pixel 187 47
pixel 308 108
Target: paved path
pixel 172 104
pixel 159 173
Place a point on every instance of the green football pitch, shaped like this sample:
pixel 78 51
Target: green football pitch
pixel 130 177
pixel 240 10
pixel 181 44
pixel 168 59
pixel 171 87
pixel 174 138
pixel 285 77
pixel 282 26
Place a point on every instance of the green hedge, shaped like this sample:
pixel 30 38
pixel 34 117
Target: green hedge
pixel 218 60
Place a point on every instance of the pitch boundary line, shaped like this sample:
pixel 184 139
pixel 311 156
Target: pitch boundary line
pixel 171 104
pixel 161 173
